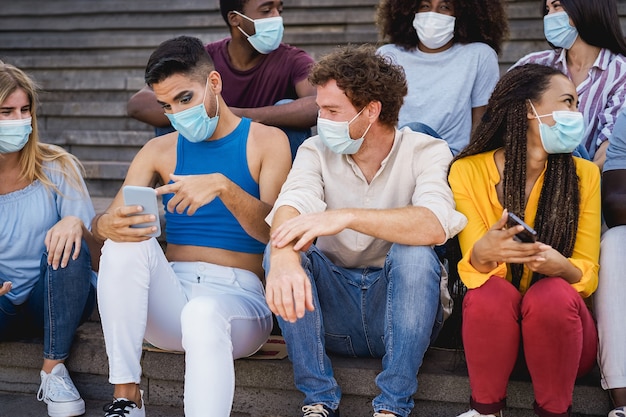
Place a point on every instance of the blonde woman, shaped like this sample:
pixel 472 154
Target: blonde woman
pixel 46 276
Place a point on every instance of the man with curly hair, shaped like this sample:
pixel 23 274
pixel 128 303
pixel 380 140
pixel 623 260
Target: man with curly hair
pixel 448 49
pixel 374 200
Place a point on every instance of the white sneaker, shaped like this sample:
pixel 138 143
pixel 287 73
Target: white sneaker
pixel 384 415
pixel 58 391
pixel 618 412
pixel 122 407
pixel 474 413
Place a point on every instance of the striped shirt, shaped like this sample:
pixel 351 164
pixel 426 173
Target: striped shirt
pixel 601 95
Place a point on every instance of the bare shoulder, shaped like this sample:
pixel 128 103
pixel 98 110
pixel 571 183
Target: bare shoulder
pixel 264 135
pixel 161 143
pixel 269 155
pixel 157 149
pixel 268 140
pixel 155 157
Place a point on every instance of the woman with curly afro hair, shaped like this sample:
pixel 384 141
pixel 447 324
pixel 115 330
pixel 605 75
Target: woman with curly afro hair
pixel 448 49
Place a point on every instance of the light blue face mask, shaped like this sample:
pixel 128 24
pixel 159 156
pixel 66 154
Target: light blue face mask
pixel 336 135
pixel 194 123
pixel 14 134
pixel 268 33
pixel 558 31
pixel 565 135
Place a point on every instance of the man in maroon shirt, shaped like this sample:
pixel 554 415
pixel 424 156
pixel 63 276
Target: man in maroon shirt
pixel 256 80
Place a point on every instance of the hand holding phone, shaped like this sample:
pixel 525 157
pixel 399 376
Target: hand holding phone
pixel 146 198
pixel 528 235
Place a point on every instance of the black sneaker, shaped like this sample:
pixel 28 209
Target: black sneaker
pixel 319 410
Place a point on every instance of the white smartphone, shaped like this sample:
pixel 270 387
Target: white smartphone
pixel 145 197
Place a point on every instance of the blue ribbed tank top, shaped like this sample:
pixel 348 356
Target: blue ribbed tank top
pixel 213 225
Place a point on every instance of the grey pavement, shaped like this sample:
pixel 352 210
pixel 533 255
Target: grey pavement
pixel 26 405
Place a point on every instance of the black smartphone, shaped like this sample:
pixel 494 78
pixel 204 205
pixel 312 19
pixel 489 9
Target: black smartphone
pixel 528 235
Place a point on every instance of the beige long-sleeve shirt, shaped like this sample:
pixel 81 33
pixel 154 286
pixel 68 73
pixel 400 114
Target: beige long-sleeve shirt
pixel 413 174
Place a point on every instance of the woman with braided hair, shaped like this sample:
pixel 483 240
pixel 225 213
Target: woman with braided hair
pixel 528 294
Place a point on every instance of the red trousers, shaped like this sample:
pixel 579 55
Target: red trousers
pixel 559 339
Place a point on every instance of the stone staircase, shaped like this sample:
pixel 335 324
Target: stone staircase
pixel 88 57
pixel 265 387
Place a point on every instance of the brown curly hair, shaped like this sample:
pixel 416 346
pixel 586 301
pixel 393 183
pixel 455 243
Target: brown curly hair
pixel 505 125
pixel 476 21
pixel 364 76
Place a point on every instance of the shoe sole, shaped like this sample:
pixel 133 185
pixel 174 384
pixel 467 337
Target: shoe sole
pixel 68 409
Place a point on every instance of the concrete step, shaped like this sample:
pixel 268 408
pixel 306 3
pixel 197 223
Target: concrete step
pixel 106 169
pixel 265 387
pixel 114 153
pixel 25 405
pixel 63 8
pixel 104 178
pixel 129 139
pixel 90 122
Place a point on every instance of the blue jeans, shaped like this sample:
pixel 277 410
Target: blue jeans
pixel 60 301
pixel 392 313
pixel 422 128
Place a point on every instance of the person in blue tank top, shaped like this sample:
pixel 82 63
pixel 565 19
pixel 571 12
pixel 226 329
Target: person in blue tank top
pixel 204 295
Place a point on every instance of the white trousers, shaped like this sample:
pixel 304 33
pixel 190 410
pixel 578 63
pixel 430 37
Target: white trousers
pixel 608 303
pixel 213 313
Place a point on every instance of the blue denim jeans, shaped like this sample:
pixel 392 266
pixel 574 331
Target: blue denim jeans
pixel 60 301
pixel 422 128
pixel 391 313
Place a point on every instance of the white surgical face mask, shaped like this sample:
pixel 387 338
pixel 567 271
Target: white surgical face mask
pixel 433 29
pixel 336 135
pixel 268 33
pixel 14 134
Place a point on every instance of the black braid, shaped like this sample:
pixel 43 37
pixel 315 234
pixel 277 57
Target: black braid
pixel 559 206
pixel 514 190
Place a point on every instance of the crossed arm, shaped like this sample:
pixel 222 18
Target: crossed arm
pixel 298 114
pixel 288 290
